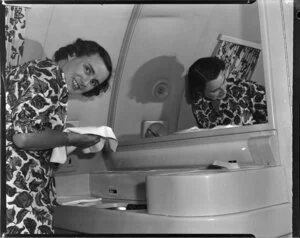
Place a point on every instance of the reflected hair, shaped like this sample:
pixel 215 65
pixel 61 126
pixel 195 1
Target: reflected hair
pixel 87 48
pixel 202 71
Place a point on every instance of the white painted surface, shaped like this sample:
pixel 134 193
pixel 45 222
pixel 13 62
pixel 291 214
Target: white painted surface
pixel 215 192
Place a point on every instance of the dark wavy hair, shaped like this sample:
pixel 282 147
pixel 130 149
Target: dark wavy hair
pixel 202 71
pixel 87 48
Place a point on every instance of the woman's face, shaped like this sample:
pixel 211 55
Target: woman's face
pixel 84 73
pixel 216 89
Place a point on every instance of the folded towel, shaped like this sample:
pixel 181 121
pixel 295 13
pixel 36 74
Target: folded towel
pixel 59 154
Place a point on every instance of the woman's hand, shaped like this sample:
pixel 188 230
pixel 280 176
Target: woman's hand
pixel 82 140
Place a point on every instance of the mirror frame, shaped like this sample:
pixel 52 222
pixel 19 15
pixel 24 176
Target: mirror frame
pixel 206 133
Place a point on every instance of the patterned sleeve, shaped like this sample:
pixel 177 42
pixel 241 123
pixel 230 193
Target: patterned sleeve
pixel 199 109
pixel 257 94
pixel 37 97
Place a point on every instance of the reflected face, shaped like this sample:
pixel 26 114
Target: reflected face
pixel 84 73
pixel 216 89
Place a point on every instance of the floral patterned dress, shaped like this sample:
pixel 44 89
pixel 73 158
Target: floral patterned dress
pixel 244 104
pixel 36 99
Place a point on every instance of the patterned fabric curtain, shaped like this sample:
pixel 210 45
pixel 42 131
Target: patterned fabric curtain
pixel 15 24
pixel 240 60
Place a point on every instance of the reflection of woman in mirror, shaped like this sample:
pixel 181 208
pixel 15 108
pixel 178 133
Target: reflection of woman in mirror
pixel 36 106
pixel 220 101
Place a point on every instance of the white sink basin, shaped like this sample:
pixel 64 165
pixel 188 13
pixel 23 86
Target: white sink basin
pixel 206 193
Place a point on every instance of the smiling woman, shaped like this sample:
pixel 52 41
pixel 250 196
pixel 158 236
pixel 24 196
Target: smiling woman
pixel 84 62
pixel 36 110
pixel 84 73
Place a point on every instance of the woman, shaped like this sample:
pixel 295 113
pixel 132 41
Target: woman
pixel 220 101
pixel 36 106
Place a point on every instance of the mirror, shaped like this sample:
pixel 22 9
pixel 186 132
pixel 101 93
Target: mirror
pixel 163 41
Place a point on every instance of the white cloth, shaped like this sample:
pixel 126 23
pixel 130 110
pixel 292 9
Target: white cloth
pixel 59 154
